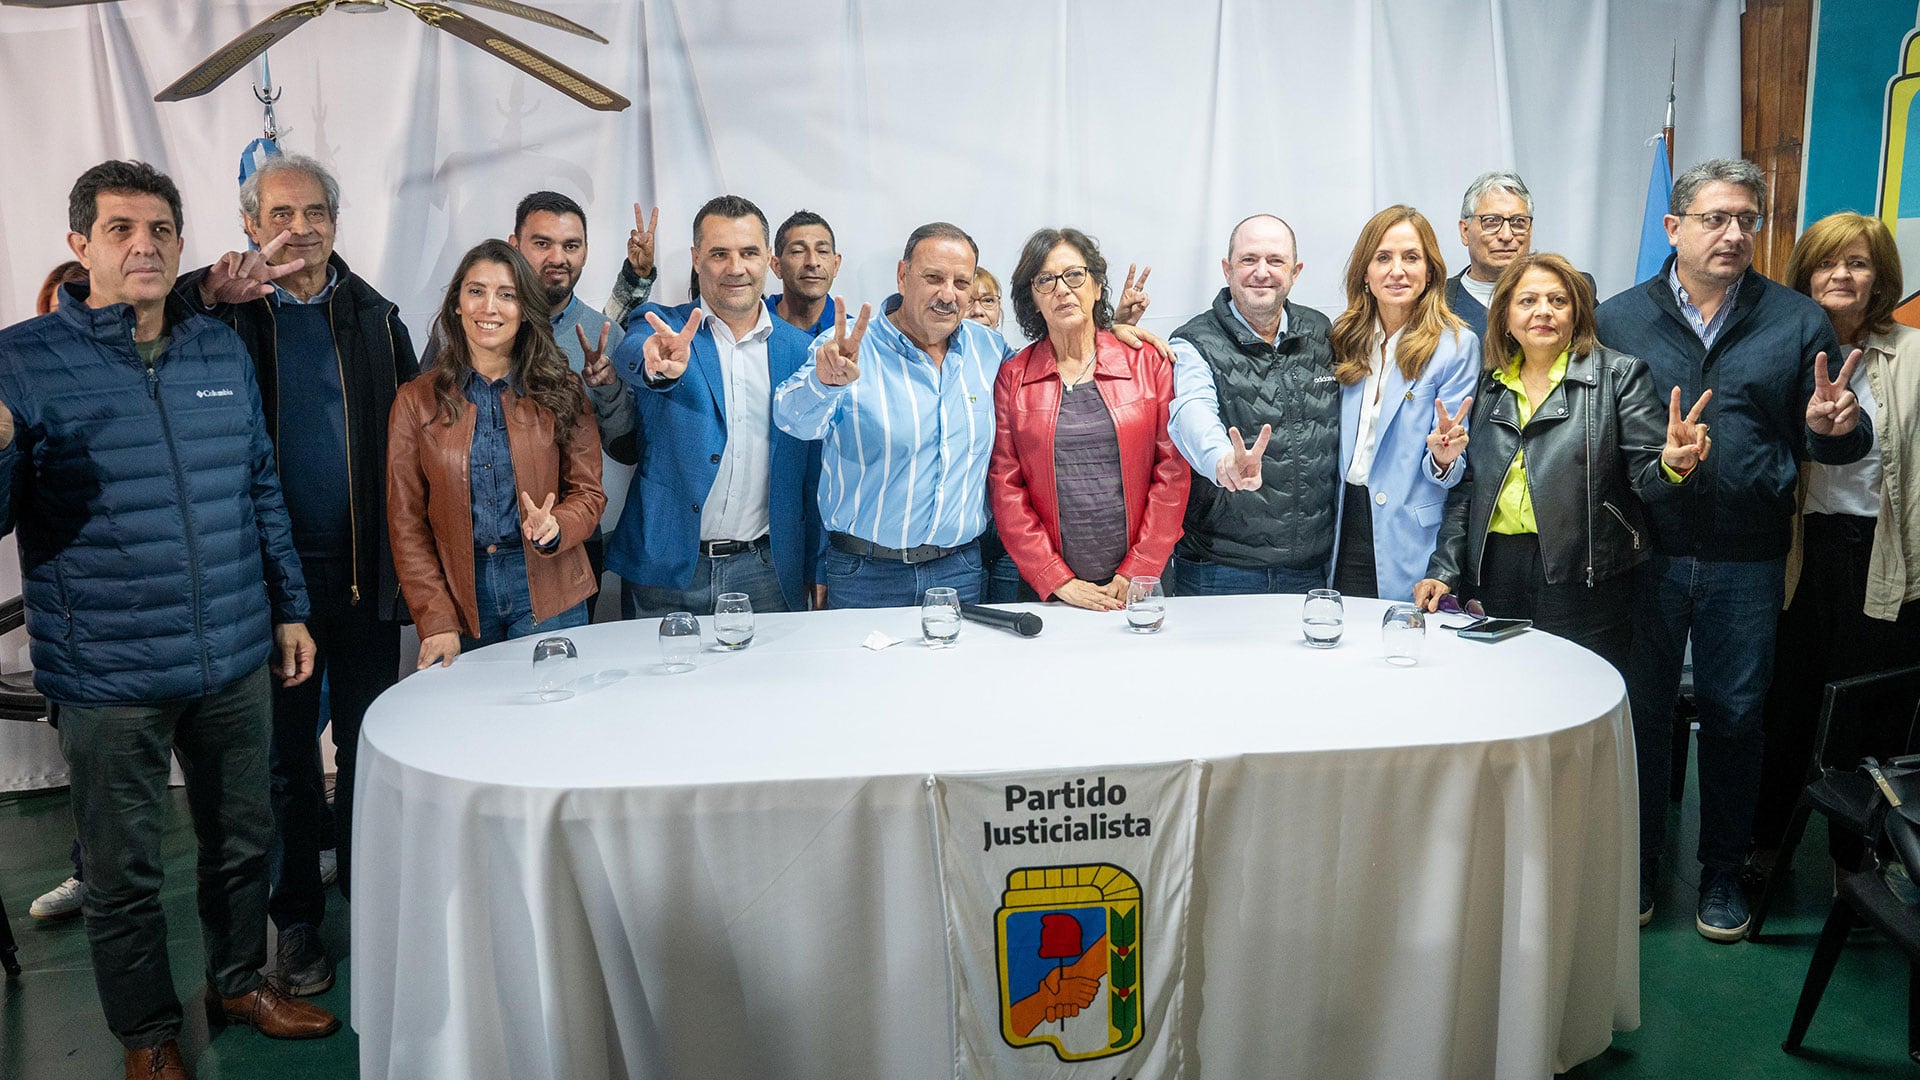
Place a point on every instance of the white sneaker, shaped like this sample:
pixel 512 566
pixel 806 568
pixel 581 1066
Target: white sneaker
pixel 329 867
pixel 62 902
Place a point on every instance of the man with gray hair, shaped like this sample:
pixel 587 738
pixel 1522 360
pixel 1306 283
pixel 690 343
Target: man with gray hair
pixel 1765 355
pixel 1496 224
pixel 329 351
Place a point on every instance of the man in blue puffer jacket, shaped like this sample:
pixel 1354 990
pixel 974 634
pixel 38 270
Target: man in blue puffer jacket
pixel 159 572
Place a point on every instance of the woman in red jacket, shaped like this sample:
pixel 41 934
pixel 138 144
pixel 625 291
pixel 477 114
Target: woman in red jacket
pixel 1086 486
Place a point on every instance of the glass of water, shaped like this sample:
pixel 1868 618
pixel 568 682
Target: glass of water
pixel 1146 604
pixel 733 620
pixel 1322 618
pixel 679 642
pixel 1403 634
pixel 554 666
pixel 940 618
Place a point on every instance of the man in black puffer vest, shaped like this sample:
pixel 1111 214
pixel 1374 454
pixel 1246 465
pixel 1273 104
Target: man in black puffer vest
pixel 1256 522
pixel 329 352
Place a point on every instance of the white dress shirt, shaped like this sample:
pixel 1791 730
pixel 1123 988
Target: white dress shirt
pixel 1385 350
pixel 1850 489
pixel 736 508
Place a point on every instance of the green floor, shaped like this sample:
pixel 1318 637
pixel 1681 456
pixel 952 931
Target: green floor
pixel 1706 1010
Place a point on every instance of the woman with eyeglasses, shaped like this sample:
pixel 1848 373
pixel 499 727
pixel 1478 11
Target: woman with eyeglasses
pixel 1568 435
pixel 983 306
pixel 1406 365
pixel 1853 574
pixel 493 469
pixel 1085 484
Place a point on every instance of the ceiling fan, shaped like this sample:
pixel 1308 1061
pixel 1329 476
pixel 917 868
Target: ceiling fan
pixel 237 53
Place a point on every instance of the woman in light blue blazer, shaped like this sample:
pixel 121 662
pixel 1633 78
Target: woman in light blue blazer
pixel 1407 366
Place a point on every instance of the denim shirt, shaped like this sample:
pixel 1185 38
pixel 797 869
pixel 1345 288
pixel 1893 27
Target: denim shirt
pixel 496 497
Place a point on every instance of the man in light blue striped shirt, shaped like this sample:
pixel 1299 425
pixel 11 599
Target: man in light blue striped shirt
pixel 905 410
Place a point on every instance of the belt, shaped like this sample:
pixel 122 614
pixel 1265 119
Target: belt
pixel 925 553
pixel 720 549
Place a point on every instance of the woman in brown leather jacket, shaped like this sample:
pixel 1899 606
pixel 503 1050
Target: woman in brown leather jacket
pixel 493 469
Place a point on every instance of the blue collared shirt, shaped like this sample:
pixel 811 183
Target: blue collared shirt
pixel 1706 329
pixel 613 408
pixel 496 496
pixel 820 325
pixel 1194 417
pixel 906 444
pixel 282 296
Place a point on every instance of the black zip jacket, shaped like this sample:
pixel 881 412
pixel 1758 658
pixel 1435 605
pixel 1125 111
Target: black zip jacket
pixel 375 356
pixel 1740 506
pixel 1591 447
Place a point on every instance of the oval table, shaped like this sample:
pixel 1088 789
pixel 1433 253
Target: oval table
pixel 1400 872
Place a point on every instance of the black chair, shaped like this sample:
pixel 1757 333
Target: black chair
pixel 18 701
pixel 1868 715
pixel 1863 894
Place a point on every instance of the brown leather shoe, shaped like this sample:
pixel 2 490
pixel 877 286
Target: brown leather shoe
pixel 275 1015
pixel 161 1062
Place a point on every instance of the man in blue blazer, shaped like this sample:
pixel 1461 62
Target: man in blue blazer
pixel 722 501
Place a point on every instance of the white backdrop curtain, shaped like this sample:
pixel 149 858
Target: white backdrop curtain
pixel 1154 126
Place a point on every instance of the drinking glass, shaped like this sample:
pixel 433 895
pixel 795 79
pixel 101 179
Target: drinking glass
pixel 555 663
pixel 940 618
pixel 733 620
pixel 1322 618
pixel 1403 634
pixel 1146 605
pixel 679 642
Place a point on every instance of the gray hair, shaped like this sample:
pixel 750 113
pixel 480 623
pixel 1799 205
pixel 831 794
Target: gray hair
pixel 279 163
pixel 1499 180
pixel 1717 170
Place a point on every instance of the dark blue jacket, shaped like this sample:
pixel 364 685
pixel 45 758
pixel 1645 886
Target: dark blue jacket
pixel 1739 506
pixel 682 431
pixel 154 545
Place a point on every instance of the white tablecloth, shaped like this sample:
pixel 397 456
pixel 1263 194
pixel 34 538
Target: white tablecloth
pixel 1403 872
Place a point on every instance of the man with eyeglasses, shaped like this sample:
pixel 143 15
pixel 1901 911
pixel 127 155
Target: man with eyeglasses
pixel 1251 365
pixel 1496 225
pixel 1710 322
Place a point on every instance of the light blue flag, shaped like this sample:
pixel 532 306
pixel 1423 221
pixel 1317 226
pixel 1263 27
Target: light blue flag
pixel 1654 248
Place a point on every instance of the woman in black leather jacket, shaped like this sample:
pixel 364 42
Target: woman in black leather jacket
pixel 1565 434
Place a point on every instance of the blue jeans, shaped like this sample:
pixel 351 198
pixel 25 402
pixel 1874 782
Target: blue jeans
pixel 750 572
pixel 1000 582
pixel 861 581
pixel 1193 577
pixel 506 607
pixel 1732 610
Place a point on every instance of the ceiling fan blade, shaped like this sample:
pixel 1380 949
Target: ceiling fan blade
pixel 237 53
pixel 539 15
pixel 520 55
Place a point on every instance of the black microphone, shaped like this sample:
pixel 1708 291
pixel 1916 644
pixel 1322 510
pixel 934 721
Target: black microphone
pixel 1020 622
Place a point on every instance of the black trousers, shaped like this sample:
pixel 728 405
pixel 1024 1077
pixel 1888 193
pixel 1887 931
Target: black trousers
pixel 118 755
pixel 1353 569
pixel 359 657
pixel 1824 635
pixel 1513 585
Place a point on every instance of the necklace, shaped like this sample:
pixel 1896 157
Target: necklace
pixel 1079 377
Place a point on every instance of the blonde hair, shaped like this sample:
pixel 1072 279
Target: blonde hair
pixel 981 273
pixel 1824 239
pixel 1353 330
